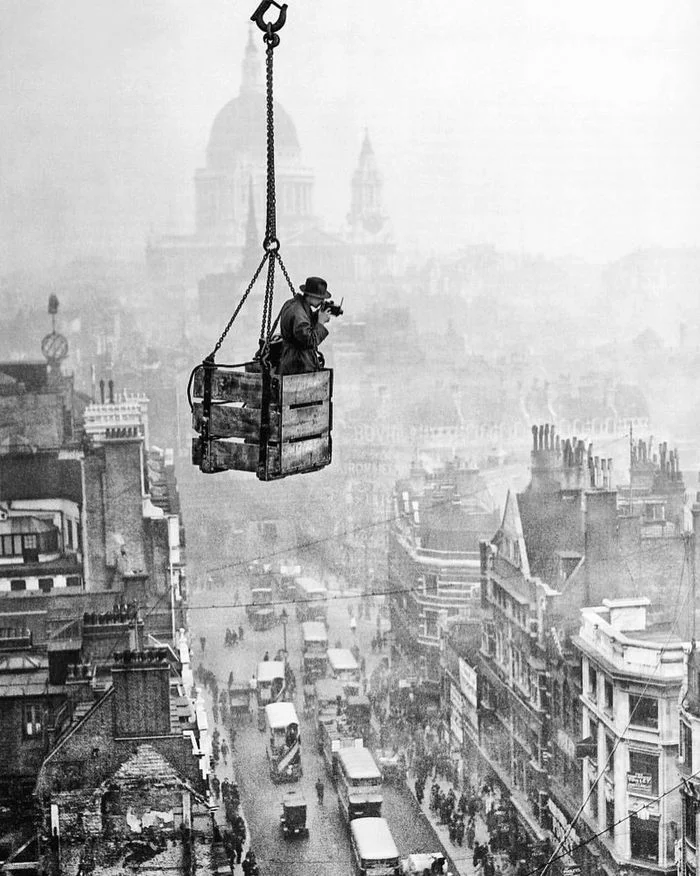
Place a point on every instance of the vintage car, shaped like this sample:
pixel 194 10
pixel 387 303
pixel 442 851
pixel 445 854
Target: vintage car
pixel 293 817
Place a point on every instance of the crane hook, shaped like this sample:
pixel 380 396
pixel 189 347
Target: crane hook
pixel 257 17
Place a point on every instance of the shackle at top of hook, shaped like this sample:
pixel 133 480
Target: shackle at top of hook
pixel 257 16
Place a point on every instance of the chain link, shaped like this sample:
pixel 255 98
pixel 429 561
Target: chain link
pixel 271 244
pixel 236 311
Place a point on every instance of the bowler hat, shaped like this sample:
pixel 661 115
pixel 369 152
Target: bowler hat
pixel 315 286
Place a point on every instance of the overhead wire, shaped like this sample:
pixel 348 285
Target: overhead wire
pixel 620 736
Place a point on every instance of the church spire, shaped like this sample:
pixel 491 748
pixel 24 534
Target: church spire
pixel 251 74
pixel 366 208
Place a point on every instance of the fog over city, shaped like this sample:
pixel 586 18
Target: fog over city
pixel 536 127
pixel 429 545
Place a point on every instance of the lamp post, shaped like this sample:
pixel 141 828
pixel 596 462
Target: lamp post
pixel 284 617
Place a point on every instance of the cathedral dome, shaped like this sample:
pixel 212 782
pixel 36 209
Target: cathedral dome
pixel 239 132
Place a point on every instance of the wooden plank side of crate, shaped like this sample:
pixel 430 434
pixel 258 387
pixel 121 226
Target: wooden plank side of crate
pixel 225 455
pixel 233 422
pixel 300 455
pixel 299 389
pixel 229 386
pixel 305 421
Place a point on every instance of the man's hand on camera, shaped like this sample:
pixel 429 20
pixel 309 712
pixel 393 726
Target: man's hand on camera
pixel 323 316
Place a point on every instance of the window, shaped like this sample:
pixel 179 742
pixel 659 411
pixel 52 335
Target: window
pixel 73 581
pixel 431 624
pixel 643 777
pixel 18 584
pixel 690 814
pixel 556 700
pixel 609 753
pixel 610 816
pixel 593 803
pixel 70 534
pixel 685 746
pixel 644 711
pixel 45 585
pixel 644 838
pixel 431 584
pixel 31 719
pixel 30 542
pixel 12 545
pixel 592 683
pixel 593 732
pixel 608 696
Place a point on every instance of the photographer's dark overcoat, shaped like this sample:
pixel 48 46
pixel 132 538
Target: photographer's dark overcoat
pixel 301 334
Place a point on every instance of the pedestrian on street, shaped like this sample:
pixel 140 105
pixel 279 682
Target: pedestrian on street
pixel 203 642
pixel 319 791
pixel 419 788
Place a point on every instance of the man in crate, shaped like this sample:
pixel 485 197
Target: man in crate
pixel 302 323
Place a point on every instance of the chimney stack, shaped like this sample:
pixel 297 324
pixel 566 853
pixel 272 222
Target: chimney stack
pixel 141 681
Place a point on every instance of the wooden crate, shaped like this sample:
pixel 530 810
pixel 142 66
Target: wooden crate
pixel 300 422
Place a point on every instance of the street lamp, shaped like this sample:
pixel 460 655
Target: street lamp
pixel 284 617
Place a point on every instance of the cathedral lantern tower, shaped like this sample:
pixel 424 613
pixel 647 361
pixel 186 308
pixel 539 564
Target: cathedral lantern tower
pixel 366 209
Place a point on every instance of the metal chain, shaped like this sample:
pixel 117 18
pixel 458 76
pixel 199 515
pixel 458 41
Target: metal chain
pixel 271 241
pixel 284 271
pixel 270 244
pixel 236 311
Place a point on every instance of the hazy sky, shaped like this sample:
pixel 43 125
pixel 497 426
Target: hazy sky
pixel 559 128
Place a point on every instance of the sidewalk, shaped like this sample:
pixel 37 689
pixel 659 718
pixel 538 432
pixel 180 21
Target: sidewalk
pixel 461 856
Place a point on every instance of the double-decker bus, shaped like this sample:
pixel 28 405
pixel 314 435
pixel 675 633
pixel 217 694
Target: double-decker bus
pixel 359 783
pixel 333 737
pixel 374 848
pixel 260 611
pixel 311 600
pixel 343 667
pixel 314 644
pixel 283 744
pixel 270 687
pixel 329 703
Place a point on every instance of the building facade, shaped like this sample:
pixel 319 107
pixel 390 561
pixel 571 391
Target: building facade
pixel 632 676
pixel 433 563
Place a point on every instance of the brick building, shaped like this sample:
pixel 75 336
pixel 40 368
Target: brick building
pixel 125 782
pixel 91 558
pixel 563 545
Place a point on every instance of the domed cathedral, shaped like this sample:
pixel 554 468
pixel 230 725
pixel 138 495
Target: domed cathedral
pixel 235 165
pixel 230 197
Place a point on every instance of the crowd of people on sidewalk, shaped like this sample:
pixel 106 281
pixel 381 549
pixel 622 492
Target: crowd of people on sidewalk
pixel 453 801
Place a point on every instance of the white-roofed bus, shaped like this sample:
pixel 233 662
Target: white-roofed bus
pixel 283 743
pixel 344 668
pixel 311 600
pixel 271 686
pixel 374 848
pixel 359 783
pixel 314 644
